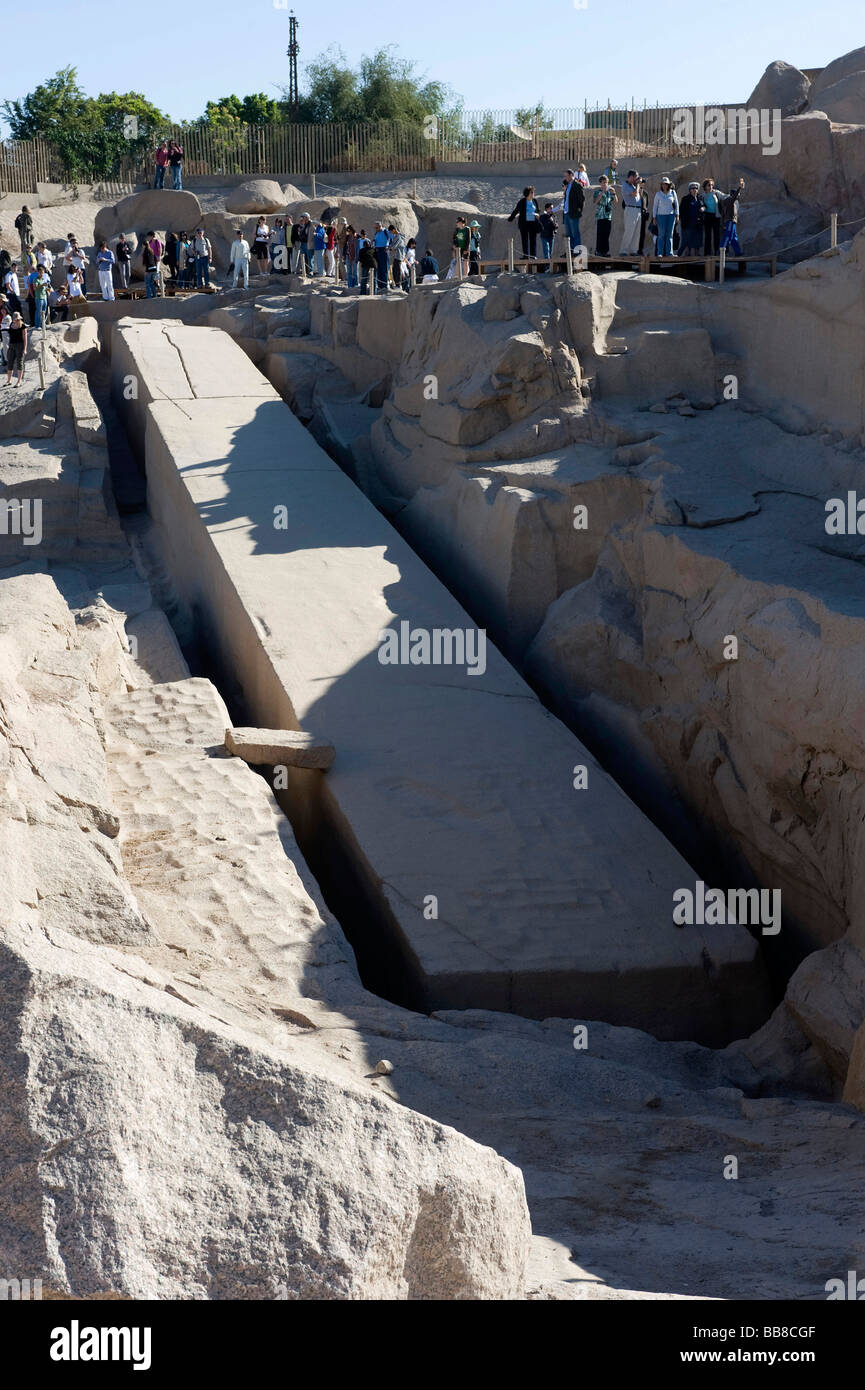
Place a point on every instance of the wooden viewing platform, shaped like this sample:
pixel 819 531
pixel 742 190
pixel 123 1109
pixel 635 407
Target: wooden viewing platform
pixel 644 264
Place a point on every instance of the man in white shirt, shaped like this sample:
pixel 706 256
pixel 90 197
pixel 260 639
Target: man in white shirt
pixel 239 258
pixel 44 257
pixel 632 208
pixel 10 285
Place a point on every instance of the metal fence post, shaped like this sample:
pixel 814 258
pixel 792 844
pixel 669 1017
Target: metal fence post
pixel 833 229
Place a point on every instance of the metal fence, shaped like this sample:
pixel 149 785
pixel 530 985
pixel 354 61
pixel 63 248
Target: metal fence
pixel 484 137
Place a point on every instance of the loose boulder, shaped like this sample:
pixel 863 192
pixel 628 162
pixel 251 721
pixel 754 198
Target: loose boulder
pixel 256 195
pixel 158 207
pixel 781 88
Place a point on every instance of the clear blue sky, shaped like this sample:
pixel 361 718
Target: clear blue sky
pixel 494 53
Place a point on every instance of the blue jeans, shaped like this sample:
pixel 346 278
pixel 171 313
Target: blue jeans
pixel 160 176
pixel 730 239
pixel 572 231
pixel 202 271
pixel 177 176
pixel 546 249
pixel 351 274
pixel 150 284
pixel 319 260
pixel 39 307
pixel 664 240
pixel 381 262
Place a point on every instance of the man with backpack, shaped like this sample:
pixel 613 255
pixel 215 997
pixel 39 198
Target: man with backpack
pixel 24 228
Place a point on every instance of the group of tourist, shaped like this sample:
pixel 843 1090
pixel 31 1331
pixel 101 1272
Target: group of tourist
pixel 326 249
pixel 30 281
pixel 169 155
pixel 704 221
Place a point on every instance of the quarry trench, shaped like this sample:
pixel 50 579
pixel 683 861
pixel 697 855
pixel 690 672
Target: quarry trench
pixel 368 907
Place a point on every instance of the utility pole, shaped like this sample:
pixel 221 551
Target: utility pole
pixel 292 51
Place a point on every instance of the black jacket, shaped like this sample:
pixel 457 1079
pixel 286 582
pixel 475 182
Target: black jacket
pixel 520 212
pixel 576 199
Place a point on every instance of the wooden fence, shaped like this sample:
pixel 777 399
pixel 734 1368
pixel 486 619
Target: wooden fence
pixel 485 137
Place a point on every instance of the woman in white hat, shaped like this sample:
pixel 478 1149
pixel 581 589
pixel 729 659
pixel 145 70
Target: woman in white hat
pixel 665 211
pixel 474 248
pixel 691 221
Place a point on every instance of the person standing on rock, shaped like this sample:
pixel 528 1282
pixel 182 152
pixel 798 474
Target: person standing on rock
pixel 571 207
pixel 319 241
pixel 239 258
pixel 475 248
pixel 380 242
pixel 278 252
pixel 24 228
pixel 175 161
pixel 330 250
pixel 396 248
pixel 201 249
pixel 105 259
pixel 151 269
pixel 548 226
pixel 462 243
pixel 410 262
pixel 5 321
pixel 603 199
pixel 367 262
pixel 612 172
pixel 261 246
pixel 301 249
pixel 350 255
pixel 632 206
pixel 17 349
pixel 12 288
pixel 161 163
pixel 123 256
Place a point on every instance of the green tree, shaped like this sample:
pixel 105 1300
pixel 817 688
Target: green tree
pixel 384 87
pixel 88 133
pixel 257 109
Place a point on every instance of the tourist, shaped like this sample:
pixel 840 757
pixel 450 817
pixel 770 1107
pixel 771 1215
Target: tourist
pixel 75 257
pixel 5 324
pixel 239 258
pixel 632 207
pixel 151 269
pixel 24 228
pixel 548 227
pixel 17 349
pixel 380 242
pixel 105 259
pixel 74 291
pixel 461 245
pixel 644 217
pixel 730 214
pixel 350 255
pixel 367 259
pixel 581 175
pixel 330 250
pixel 29 282
pixel 691 221
pixel 261 245
pixel 203 254
pixel 571 207
pixel 603 198
pixel 612 172
pixel 123 254
pixel 319 242
pixel 341 235
pixel 410 262
pixel 711 218
pixel 527 212
pixel 58 305
pixel 5 263
pixel 12 288
pixel 175 160
pixel 161 162
pixel 396 248
pixel 44 257
pixel 185 267
pixel 475 248
pixel 171 256
pixel 41 288
pixel 278 253
pixel 665 211
pixel 428 268
pixel 301 251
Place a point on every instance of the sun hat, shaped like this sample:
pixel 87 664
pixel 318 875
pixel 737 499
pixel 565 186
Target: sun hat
pixel 665 178
pixel 474 224
pixel 693 184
